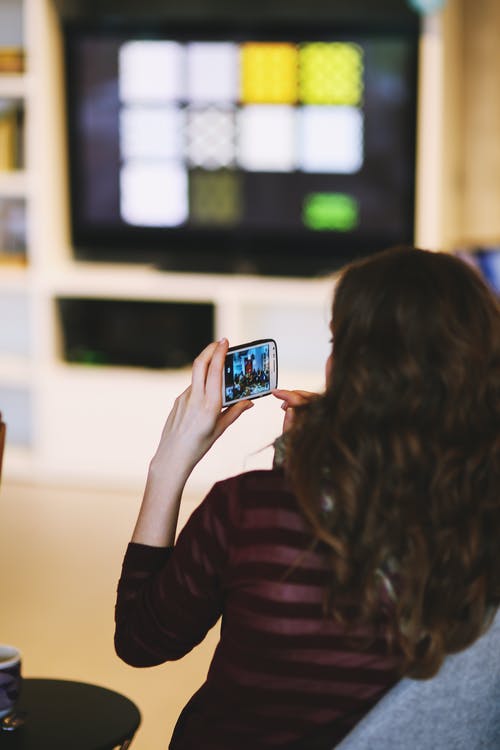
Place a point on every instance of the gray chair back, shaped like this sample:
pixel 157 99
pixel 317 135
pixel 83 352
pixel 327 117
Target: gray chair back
pixel 459 709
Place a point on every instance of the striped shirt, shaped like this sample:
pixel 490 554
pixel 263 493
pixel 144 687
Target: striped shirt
pixel 283 675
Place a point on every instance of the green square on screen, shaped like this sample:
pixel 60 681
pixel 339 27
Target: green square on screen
pixel 334 212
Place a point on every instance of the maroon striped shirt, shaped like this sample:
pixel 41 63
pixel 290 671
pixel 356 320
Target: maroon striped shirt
pixel 283 675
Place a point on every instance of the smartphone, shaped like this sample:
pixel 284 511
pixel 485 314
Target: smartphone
pixel 250 371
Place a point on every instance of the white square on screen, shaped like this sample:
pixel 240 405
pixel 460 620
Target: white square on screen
pixel 153 195
pixel 151 132
pixel 212 72
pixel 210 137
pixel 267 138
pixel 331 139
pixel 151 71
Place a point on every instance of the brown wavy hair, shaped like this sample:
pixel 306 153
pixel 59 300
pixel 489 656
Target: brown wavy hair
pixel 397 464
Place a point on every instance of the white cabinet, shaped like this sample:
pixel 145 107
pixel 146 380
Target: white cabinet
pixel 95 424
pixel 100 424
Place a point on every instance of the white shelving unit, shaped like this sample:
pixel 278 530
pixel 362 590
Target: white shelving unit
pixel 16 362
pixel 100 425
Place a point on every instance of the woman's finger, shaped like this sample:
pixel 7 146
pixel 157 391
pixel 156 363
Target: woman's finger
pixel 213 383
pixel 200 367
pixel 290 400
pixel 293 398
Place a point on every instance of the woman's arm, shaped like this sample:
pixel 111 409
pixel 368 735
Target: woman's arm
pixel 192 427
pixel 169 597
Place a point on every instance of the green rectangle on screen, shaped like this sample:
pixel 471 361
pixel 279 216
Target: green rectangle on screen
pixel 334 212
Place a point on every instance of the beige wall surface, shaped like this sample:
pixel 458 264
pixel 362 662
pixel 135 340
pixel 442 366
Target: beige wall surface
pixel 481 120
pixel 458 184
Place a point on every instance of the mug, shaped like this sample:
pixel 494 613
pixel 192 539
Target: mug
pixel 10 678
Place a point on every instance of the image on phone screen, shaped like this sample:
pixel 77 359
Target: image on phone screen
pixel 250 371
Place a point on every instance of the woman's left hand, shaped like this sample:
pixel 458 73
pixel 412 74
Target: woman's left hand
pixel 292 399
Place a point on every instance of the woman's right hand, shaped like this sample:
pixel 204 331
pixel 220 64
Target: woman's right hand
pixel 197 418
pixel 292 399
pixel 196 421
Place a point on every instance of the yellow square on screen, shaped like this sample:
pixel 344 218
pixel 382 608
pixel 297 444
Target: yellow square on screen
pixel 330 73
pixel 269 73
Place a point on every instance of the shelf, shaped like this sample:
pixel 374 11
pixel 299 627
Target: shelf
pixel 146 282
pixel 14 277
pixel 15 371
pixel 17 409
pixel 13 184
pixel 13 86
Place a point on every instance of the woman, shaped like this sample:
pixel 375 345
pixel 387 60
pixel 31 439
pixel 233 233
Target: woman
pixel 370 553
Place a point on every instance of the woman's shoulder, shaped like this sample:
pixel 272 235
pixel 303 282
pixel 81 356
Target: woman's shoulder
pixel 257 481
pixel 254 497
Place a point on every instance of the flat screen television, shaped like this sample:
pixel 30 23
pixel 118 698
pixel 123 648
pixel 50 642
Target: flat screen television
pixel 240 149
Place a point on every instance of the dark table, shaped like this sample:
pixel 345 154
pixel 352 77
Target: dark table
pixel 66 715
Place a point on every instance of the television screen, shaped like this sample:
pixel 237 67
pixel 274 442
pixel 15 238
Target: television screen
pixel 225 151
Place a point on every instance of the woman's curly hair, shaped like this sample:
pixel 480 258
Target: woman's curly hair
pixel 397 464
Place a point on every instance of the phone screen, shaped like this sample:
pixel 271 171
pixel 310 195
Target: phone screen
pixel 250 371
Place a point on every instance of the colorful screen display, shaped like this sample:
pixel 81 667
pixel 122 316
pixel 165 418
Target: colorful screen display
pixel 246 373
pixel 195 117
pixel 258 144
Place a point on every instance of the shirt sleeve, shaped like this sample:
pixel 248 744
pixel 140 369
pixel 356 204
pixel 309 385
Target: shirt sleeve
pixel 168 598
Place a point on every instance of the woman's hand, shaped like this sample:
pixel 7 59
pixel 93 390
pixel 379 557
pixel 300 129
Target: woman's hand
pixel 290 400
pixel 196 419
pixel 192 427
